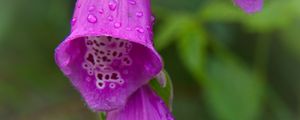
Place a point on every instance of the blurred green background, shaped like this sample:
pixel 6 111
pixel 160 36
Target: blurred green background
pixel 225 64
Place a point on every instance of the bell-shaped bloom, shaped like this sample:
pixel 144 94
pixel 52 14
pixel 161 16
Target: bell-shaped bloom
pixel 144 104
pixel 109 54
pixel 250 6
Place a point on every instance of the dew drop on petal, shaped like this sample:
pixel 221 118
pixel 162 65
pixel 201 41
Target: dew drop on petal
pixel 148 27
pixel 112 5
pixel 91 18
pixel 152 19
pixel 110 18
pixel 140 30
pixel 101 11
pixel 128 28
pixel 78 5
pixel 73 21
pixel 92 8
pixel 132 2
pixel 117 25
pixel 139 14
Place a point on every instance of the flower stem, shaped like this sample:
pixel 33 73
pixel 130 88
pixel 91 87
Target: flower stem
pixel 101 116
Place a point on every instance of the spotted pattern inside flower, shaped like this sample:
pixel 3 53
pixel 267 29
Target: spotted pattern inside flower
pixel 102 54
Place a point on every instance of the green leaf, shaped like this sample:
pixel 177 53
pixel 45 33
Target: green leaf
pixel 192 47
pixel 168 32
pixel 219 11
pixel 232 91
pixel 7 11
pixel 290 39
pixel 164 91
pixel 102 116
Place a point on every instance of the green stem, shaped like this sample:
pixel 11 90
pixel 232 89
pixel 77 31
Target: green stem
pixel 278 107
pixel 101 116
pixel 262 54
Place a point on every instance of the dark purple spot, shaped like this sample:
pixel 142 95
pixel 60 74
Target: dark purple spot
pixel 121 44
pixel 95 49
pixel 106 77
pixel 114 53
pixel 104 58
pixel 102 44
pixel 99 76
pixel 100 84
pixel 91 59
pixel 114 76
pixel 101 52
pixel 85 65
pixel 89 42
pixel 109 38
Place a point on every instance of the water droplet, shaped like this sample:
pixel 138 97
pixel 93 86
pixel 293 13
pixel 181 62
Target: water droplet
pixel 152 19
pixel 148 27
pixel 117 25
pixel 140 30
pixel 110 18
pixel 73 21
pixel 92 8
pixel 101 11
pixel 132 2
pixel 112 5
pixel 78 5
pixel 139 14
pixel 92 18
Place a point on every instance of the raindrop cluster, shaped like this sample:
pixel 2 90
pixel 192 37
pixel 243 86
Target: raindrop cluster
pixel 102 54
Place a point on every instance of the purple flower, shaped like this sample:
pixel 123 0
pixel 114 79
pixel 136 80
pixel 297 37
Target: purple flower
pixel 109 57
pixel 250 6
pixel 144 104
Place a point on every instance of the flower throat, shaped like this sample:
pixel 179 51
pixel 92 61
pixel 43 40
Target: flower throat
pixel 103 57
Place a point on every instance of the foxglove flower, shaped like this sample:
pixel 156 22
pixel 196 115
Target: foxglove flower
pixel 250 6
pixel 144 104
pixel 109 57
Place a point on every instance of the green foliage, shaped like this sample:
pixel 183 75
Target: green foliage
pixel 165 91
pixel 232 90
pixel 192 47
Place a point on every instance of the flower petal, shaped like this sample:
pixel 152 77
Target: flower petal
pixel 144 104
pixel 250 6
pixel 92 57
